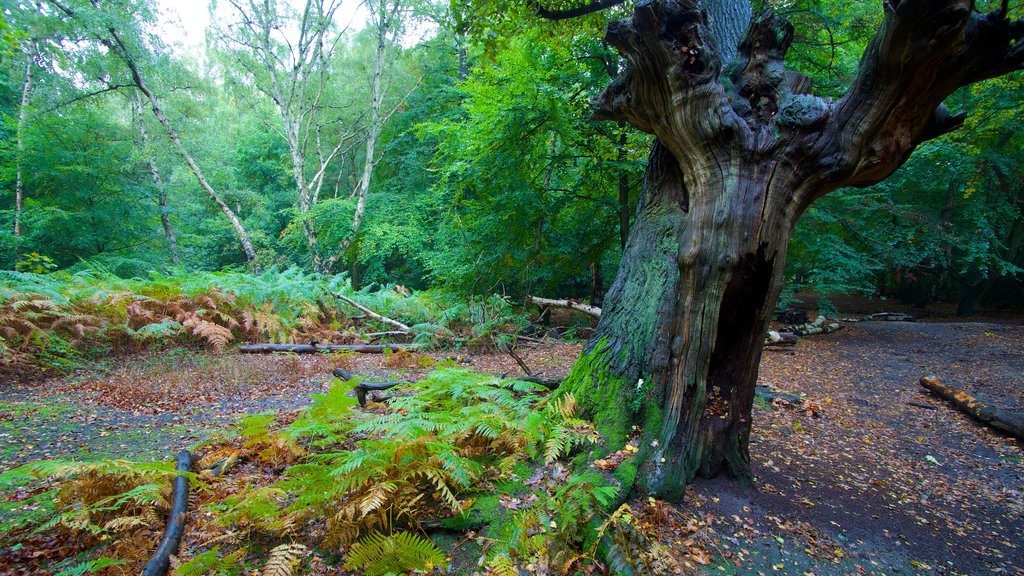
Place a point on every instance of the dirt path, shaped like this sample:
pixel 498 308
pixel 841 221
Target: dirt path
pixel 870 485
pixel 876 483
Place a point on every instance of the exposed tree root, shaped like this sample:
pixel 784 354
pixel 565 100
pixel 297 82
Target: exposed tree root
pixel 161 559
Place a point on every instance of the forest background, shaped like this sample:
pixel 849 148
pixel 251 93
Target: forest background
pixel 416 145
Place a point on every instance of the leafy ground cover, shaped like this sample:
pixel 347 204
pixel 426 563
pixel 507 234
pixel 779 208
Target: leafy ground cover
pixel 855 479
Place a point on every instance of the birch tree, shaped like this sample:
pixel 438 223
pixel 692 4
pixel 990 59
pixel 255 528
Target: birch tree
pixel 126 48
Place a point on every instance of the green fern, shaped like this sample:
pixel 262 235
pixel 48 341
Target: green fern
pixel 89 567
pixel 211 562
pixel 377 554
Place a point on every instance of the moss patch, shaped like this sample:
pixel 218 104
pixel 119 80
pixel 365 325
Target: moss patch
pixel 600 394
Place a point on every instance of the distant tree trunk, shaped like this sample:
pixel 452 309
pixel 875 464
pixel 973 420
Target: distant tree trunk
pixel 597 283
pixel 158 182
pixel 742 150
pixel 383 17
pixel 26 95
pixel 243 236
pixel 976 290
pixel 111 39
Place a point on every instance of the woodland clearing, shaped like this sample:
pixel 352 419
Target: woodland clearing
pixel 860 477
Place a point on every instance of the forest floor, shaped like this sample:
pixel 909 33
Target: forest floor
pixel 855 479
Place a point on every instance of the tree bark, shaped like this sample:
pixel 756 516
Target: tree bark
pixel 158 182
pixel 587 309
pixel 741 151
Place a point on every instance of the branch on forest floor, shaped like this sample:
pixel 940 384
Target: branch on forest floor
pixel 1006 421
pixel 364 387
pixel 371 313
pixel 314 347
pixel 161 559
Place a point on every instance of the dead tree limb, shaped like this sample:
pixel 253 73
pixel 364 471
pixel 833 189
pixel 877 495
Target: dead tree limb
pixel 821 325
pixel 161 559
pixel 1010 422
pixel 313 348
pixel 365 386
pixel 371 313
pixel 775 338
pixel 571 304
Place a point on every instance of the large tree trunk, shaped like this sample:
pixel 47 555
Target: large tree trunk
pixel 681 333
pixel 742 149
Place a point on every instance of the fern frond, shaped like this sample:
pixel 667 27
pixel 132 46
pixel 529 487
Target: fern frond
pixel 283 560
pixel 377 555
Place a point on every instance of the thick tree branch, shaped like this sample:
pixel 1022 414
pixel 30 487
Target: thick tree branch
pixel 590 8
pixel 922 53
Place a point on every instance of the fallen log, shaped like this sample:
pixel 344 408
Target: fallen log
pixel 821 325
pixel 889 317
pixel 313 348
pixel 569 303
pixel 161 559
pixel 371 313
pixel 775 338
pixel 1006 421
pixel 364 387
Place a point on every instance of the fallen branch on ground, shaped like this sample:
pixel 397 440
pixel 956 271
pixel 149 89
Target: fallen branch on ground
pixel 161 559
pixel 587 309
pixel 889 317
pixel 371 313
pixel 314 347
pixel 1010 422
pixel 775 338
pixel 364 387
pixel 821 325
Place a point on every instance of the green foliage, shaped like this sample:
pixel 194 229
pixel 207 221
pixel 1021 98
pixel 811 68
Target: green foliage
pixel 100 498
pixel 89 567
pixel 377 554
pixel 211 562
pixel 423 454
pixel 525 179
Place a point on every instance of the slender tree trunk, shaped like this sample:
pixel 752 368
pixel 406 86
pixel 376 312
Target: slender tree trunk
pixel 158 182
pixel 243 236
pixel 113 42
pixel 382 19
pixel 19 183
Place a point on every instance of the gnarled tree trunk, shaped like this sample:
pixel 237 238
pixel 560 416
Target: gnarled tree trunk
pixel 742 150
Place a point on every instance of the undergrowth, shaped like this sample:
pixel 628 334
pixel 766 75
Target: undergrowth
pixel 59 320
pixel 339 485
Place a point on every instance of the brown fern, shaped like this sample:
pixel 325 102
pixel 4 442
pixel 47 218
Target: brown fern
pixel 215 335
pixel 283 560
